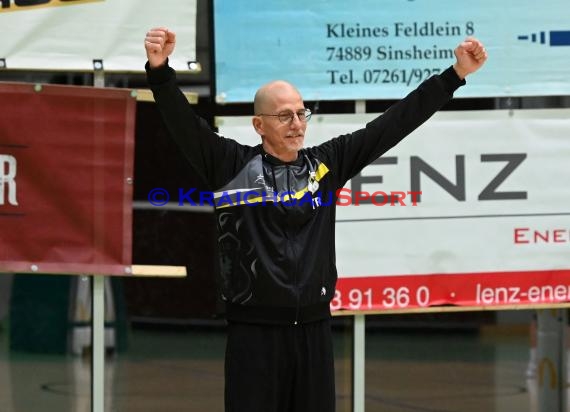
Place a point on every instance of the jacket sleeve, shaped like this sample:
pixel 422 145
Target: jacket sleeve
pixel 350 153
pixel 212 156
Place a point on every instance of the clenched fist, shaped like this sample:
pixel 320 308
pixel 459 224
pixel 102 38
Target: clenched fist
pixel 470 55
pixel 159 44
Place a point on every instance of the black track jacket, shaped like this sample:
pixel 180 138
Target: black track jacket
pixel 277 238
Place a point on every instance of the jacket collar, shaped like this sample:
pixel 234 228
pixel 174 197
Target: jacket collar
pixel 277 162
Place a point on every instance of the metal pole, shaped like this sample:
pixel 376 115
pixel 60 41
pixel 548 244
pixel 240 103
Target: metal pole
pixel 98 345
pixel 358 364
pixel 551 357
pixel 98 315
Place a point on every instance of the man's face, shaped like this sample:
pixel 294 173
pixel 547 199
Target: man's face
pixel 282 139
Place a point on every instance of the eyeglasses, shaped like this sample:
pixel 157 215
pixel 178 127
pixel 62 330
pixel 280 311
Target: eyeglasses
pixel 287 116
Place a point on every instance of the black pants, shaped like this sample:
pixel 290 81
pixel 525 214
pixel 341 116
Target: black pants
pixel 275 368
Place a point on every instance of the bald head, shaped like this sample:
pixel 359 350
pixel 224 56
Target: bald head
pixel 281 135
pixel 268 94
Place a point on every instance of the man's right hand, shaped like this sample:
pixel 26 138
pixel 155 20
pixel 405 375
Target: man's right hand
pixel 159 44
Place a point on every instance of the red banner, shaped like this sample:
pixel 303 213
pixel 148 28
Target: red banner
pixel 66 167
pixel 399 293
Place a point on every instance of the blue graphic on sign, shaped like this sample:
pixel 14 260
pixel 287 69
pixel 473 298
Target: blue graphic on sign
pixel 556 37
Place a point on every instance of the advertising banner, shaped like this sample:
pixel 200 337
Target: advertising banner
pixel 473 208
pixel 66 168
pixel 370 49
pixel 75 35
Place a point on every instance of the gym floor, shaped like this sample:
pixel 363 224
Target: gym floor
pixel 407 369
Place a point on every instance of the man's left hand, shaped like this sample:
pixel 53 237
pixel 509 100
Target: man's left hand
pixel 471 55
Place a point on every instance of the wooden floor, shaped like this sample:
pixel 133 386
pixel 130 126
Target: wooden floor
pixel 406 371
